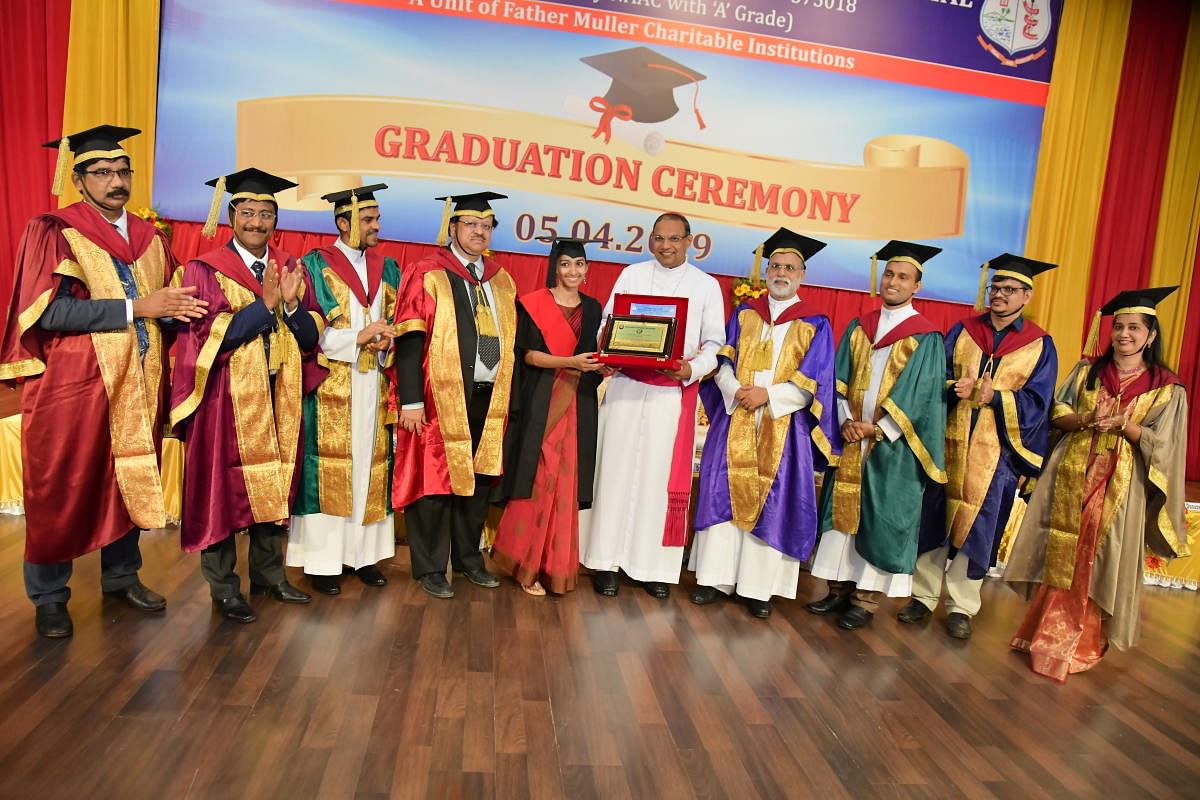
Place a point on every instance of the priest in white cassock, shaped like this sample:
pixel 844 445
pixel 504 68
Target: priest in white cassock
pixel 646 438
pixel 770 409
pixel 891 369
pixel 342 516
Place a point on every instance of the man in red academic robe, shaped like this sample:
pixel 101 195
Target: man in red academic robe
pixel 456 321
pixel 84 332
pixel 240 374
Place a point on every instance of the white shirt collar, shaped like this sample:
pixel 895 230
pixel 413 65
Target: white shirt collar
pixel 777 307
pixel 352 255
pixel 122 224
pixel 247 256
pixel 903 312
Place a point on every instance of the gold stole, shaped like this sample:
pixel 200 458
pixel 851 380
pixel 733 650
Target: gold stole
pixel 334 452
pixel 753 452
pixel 1066 502
pixel 972 456
pixel 131 382
pixel 267 436
pixel 847 487
pixel 445 381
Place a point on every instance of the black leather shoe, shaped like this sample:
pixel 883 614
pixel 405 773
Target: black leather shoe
pixel 326 584
pixel 914 612
pixel 759 608
pixel 657 589
pixel 283 591
pixel 480 577
pixel 370 575
pixel 235 608
pixel 435 584
pixel 605 583
pixel 829 603
pixel 140 597
pixel 703 595
pixel 53 621
pixel 854 618
pixel 958 625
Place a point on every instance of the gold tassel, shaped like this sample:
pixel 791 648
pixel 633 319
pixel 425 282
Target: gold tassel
pixel 874 274
pixel 276 360
pixel 443 233
pixel 485 323
pixel 355 225
pixel 366 360
pixel 210 225
pixel 1091 347
pixel 979 298
pixel 61 167
pixel 762 353
pixel 756 270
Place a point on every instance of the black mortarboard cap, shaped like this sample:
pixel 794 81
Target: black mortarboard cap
pixel 1006 265
pixel 246 184
pixel 1142 301
pixel 562 245
pixel 475 204
pixel 102 141
pixel 353 201
pixel 783 239
pixel 645 82
pixel 918 254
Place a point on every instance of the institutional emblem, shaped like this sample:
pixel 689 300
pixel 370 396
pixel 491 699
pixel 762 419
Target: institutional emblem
pixel 1015 26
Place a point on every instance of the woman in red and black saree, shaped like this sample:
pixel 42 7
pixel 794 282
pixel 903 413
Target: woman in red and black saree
pixel 550 445
pixel 1112 486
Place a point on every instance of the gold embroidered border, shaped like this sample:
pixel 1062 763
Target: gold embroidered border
pixel 914 441
pixel 1012 424
pixel 70 269
pixel 21 369
pixel 1060 410
pixel 727 351
pixel 489 455
pixel 204 361
pixel 847 487
pixel 334 471
pixel 131 413
pixel 29 317
pixel 410 325
pixel 445 384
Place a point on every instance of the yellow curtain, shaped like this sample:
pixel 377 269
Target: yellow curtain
pixel 112 78
pixel 1179 214
pixel 1071 166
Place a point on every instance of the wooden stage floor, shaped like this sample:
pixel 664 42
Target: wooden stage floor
pixel 387 692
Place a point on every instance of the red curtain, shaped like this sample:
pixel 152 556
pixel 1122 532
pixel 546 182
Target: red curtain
pixel 529 271
pixel 1137 156
pixel 33 61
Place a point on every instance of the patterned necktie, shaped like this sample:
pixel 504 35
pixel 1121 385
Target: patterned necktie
pixel 259 269
pixel 130 287
pixel 487 344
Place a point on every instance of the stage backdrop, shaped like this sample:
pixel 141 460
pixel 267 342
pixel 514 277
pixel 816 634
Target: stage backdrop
pixel 854 121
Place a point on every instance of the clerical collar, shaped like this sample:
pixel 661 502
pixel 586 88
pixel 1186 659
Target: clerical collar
pixel 246 255
pixel 353 254
pixel 777 307
pixel 904 311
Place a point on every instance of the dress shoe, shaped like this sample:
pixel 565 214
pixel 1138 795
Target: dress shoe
pixel 370 575
pixel 53 621
pixel 758 608
pixel 137 595
pixel 914 612
pixel 283 591
pixel 829 603
pixel 605 583
pixel 235 608
pixel 854 618
pixel 703 595
pixel 326 584
pixel 958 625
pixel 435 584
pixel 481 577
pixel 657 589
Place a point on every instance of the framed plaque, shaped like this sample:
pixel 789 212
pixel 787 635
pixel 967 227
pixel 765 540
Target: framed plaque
pixel 644 331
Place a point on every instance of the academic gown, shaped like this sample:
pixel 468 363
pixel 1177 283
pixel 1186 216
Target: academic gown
pixel 988 448
pixel 756 513
pixel 94 394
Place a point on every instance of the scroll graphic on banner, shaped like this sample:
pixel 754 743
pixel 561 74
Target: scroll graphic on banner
pixel 913 186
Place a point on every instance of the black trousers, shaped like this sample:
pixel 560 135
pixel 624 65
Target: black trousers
pixel 218 562
pixel 445 527
pixel 119 565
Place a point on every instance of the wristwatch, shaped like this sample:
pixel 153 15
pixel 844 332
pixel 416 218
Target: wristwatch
pixel 878 434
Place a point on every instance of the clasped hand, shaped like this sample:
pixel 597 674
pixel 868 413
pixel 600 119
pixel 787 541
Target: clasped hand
pixel 751 398
pixel 855 431
pixel 376 336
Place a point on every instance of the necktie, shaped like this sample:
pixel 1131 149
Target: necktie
pixel 259 269
pixel 129 285
pixel 487 341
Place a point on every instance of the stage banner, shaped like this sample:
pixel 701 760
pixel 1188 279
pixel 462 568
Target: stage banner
pixel 854 121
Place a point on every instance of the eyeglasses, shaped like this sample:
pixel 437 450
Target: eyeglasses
pixel 659 239
pixel 790 269
pixel 247 215
pixel 107 174
pixel 1004 291
pixel 476 226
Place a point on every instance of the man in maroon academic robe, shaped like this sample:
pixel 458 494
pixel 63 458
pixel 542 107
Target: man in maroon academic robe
pixel 240 374
pixel 83 330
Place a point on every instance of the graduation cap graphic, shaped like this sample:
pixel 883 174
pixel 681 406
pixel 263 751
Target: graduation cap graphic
pixel 643 88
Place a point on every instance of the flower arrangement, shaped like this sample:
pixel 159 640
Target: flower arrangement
pixel 153 217
pixel 746 288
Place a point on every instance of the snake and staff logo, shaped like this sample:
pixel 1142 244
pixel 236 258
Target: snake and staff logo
pixel 1015 26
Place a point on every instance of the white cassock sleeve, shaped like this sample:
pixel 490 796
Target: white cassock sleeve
pixel 727 382
pixel 340 344
pixel 712 331
pixel 786 398
pixel 889 427
pixel 843 410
